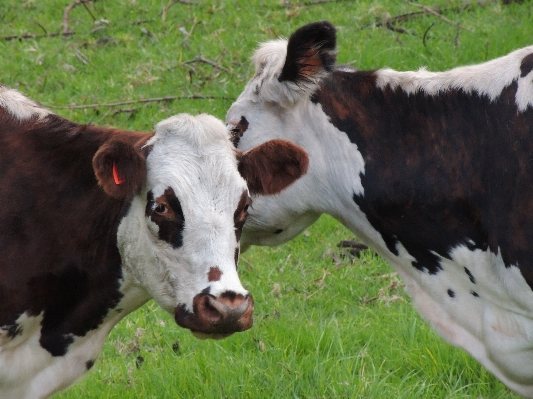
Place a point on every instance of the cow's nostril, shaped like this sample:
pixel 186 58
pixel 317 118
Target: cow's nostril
pixel 229 313
pixel 208 308
pixel 225 314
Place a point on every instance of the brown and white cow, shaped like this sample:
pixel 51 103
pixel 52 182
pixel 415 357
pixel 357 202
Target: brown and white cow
pixel 94 222
pixel 433 170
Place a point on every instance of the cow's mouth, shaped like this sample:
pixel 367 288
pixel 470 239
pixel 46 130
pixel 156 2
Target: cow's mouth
pixel 216 317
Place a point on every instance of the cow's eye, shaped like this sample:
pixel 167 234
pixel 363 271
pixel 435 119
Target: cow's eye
pixel 161 209
pixel 235 129
pixel 246 208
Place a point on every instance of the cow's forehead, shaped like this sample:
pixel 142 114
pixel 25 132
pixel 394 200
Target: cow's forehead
pixel 203 134
pixel 193 155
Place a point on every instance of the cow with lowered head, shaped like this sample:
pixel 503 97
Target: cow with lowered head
pixel 432 170
pixel 94 222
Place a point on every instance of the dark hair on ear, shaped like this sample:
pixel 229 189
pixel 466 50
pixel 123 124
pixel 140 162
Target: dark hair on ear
pixel 310 51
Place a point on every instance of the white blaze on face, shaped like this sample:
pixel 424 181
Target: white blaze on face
pixel 174 253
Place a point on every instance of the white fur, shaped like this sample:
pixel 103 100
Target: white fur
pixel 496 327
pixel 20 106
pixel 471 79
pixel 269 60
pixel 194 156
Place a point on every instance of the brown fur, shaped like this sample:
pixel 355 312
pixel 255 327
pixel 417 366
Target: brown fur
pixel 214 274
pixel 272 166
pixel 58 249
pixel 127 154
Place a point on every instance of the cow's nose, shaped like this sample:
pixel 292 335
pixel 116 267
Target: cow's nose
pixel 217 317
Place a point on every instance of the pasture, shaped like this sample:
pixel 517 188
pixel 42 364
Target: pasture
pixel 327 325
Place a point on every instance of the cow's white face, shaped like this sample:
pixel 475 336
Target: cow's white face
pixel 273 105
pixel 180 238
pixel 273 220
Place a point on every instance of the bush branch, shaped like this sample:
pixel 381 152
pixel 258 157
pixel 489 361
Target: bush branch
pixel 143 100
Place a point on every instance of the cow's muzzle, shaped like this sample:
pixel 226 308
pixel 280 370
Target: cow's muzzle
pixel 217 317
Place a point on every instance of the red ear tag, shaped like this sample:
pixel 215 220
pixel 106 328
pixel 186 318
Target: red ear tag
pixel 116 177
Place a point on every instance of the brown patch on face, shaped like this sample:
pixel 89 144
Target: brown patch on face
pixel 239 217
pixel 214 274
pixel 238 130
pixel 272 166
pixel 527 65
pixel 166 212
pixel 236 255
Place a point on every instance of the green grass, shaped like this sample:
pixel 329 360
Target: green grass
pixel 323 328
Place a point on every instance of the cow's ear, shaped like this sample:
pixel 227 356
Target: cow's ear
pixel 311 51
pixel 120 168
pixel 272 166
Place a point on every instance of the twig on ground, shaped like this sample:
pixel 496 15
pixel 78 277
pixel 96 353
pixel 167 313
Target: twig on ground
pixel 40 26
pixel 431 11
pixel 392 20
pixel 143 100
pixel 206 61
pixel 163 13
pixel 82 57
pixel 426 33
pixel 194 23
pixel 313 3
pixel 66 13
pixel 34 36
pixel 89 11
pixel 393 28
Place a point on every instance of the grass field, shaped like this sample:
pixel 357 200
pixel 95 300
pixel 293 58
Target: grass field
pixel 326 326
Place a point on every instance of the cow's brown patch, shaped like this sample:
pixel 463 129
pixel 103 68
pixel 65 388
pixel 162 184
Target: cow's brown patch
pixel 166 212
pixel 239 217
pixel 272 166
pixel 238 130
pixel 442 170
pixel 526 66
pixel 214 274
pixel 236 256
pixel 58 249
